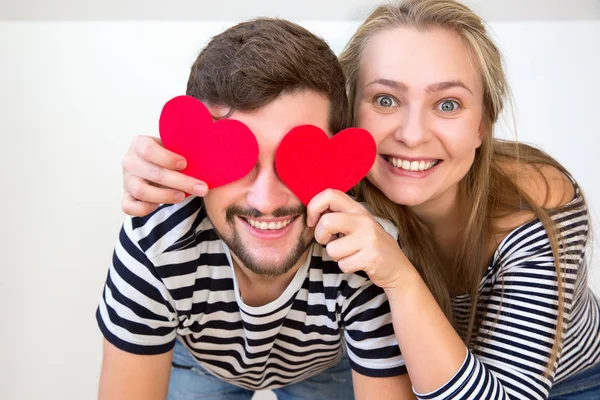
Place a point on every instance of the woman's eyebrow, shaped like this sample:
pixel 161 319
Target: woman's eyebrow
pixel 439 86
pixel 389 82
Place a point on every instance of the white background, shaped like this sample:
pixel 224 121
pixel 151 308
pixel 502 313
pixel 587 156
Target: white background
pixel 74 91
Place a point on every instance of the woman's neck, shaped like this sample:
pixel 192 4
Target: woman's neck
pixel 445 220
pixel 441 213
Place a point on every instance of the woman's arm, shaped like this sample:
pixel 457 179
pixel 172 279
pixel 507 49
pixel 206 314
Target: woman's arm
pixel 432 350
pixel 519 310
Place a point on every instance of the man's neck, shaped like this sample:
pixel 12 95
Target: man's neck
pixel 257 290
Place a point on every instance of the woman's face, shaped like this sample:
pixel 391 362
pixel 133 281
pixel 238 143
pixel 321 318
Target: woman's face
pixel 421 98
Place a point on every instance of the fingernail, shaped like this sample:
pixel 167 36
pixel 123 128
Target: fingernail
pixel 181 164
pixel 200 190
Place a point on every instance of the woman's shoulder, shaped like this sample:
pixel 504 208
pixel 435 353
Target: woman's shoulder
pixel 546 186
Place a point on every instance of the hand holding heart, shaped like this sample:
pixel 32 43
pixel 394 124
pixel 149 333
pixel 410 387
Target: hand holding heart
pixel 307 160
pixel 364 246
pixel 217 153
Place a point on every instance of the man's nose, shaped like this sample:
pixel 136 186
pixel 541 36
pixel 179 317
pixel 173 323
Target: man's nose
pixel 267 192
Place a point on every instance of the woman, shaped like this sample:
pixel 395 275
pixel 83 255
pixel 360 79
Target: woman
pixel 488 288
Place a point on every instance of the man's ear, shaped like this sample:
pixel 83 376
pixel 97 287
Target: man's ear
pixel 218 112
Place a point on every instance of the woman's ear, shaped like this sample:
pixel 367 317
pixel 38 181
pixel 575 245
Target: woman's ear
pixel 480 133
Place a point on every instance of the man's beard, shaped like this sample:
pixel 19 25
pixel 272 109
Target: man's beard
pixel 262 267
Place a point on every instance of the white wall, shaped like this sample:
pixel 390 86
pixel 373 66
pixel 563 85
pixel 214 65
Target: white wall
pixel 73 94
pixel 330 10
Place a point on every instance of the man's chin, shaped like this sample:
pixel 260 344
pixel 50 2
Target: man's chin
pixel 273 256
pixel 270 261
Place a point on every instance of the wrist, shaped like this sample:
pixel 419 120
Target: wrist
pixel 403 283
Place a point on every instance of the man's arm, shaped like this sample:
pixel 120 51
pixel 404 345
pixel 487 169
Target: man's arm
pixel 393 388
pixel 130 376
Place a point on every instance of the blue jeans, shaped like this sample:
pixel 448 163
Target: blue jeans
pixel 190 381
pixel 584 385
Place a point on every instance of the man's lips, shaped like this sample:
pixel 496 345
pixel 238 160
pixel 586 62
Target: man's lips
pixel 269 228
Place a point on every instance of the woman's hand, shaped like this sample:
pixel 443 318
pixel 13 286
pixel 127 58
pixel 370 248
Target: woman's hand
pixel 151 177
pixel 364 245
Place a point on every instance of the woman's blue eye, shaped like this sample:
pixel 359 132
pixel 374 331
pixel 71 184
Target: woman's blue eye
pixel 386 101
pixel 448 106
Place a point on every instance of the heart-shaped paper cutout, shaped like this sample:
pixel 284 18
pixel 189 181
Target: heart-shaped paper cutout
pixel 218 152
pixel 308 161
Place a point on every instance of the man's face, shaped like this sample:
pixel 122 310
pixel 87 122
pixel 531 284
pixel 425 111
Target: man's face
pixel 258 217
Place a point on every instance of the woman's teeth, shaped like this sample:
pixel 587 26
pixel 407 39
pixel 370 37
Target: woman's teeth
pixel 269 225
pixel 411 165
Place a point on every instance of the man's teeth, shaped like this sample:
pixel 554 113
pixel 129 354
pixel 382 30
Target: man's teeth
pixel 411 165
pixel 269 225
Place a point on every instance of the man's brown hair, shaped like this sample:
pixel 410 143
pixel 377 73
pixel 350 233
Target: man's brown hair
pixel 250 64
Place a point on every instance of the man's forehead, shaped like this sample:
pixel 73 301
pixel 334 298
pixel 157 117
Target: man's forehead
pixel 276 118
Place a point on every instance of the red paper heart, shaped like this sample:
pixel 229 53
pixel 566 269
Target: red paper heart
pixel 217 153
pixel 308 161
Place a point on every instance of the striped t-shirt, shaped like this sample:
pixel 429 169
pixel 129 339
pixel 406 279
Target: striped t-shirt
pixel 171 277
pixel 519 309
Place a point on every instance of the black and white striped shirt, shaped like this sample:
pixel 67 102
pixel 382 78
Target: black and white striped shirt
pixel 171 276
pixel 518 301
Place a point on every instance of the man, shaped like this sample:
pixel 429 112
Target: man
pixel 223 295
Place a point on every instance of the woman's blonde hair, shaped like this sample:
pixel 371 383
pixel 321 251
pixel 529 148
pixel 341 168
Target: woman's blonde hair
pixel 487 191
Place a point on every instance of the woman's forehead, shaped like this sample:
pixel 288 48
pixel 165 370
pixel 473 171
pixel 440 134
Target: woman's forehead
pixel 417 56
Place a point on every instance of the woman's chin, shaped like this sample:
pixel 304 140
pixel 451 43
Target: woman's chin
pixel 405 197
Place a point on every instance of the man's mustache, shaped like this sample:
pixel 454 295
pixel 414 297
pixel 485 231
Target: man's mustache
pixel 232 211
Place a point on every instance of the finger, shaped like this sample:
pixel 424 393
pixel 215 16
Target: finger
pixel 151 150
pixel 351 264
pixel 136 166
pixel 142 190
pixel 330 225
pixel 135 208
pixel 344 247
pixel 332 200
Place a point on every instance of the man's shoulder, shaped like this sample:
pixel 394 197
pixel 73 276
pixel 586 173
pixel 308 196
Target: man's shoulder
pixel 171 227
